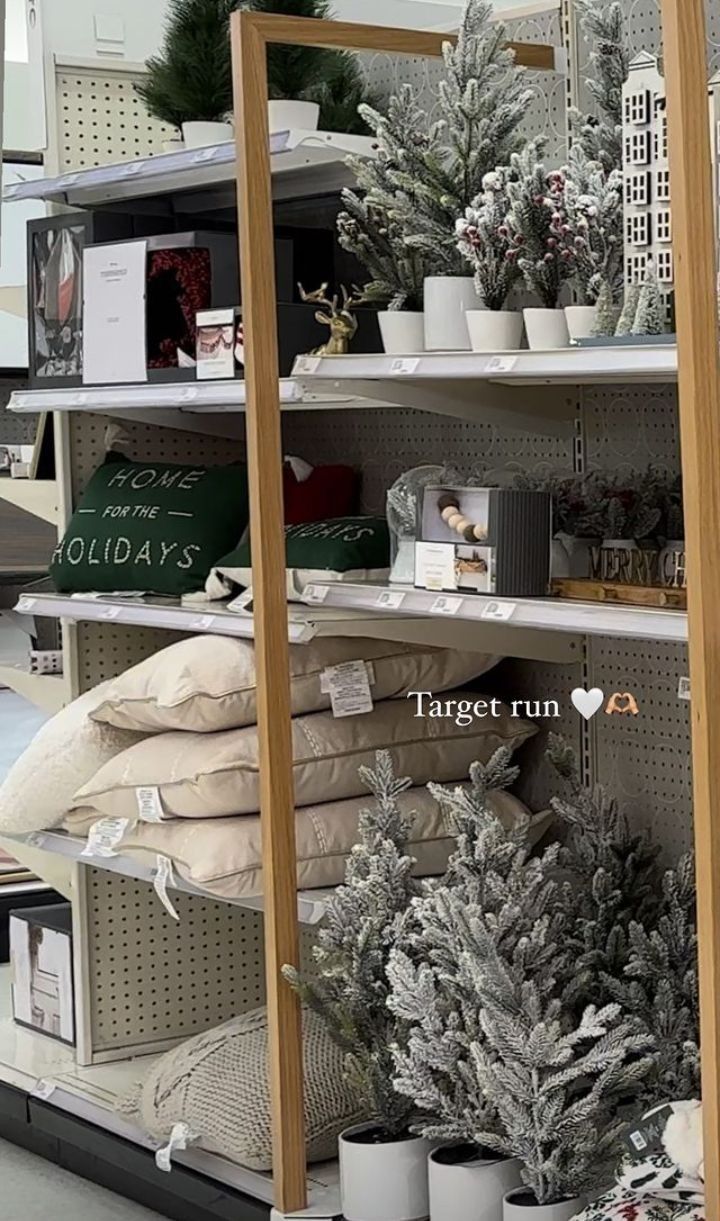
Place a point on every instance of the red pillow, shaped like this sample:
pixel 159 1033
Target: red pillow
pixel 330 491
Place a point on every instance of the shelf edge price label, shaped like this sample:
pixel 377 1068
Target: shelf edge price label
pixel 44 1090
pixel 446 606
pixel 499 612
pixel 390 599
pixel 315 594
pixel 404 366
pixel 501 364
pixel 307 364
pixel 131 169
pixel 111 612
pixel 203 624
pixel 25 605
pixel 206 154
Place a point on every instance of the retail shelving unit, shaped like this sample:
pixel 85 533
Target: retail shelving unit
pixel 526 392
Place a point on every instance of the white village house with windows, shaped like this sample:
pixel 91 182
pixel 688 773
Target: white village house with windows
pixel 646 170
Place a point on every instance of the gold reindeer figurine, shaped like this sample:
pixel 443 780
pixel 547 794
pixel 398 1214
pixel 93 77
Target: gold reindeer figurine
pixel 342 322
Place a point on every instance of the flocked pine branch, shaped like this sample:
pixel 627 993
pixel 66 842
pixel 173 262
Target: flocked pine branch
pixel 428 171
pixel 604 28
pixel 592 227
pixel 494 893
pixel 348 985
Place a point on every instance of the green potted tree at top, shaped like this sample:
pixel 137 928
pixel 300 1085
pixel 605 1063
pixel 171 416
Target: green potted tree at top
pixel 189 82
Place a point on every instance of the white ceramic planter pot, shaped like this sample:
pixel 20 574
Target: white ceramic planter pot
pixel 559 560
pixel 520 1205
pixel 580 320
pixel 546 329
pixel 578 551
pixel 447 302
pixel 671 563
pixel 403 332
pixel 495 330
pixel 471 1190
pixel 201 134
pixel 286 115
pixel 383 1182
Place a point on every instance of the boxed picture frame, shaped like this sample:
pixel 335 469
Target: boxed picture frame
pixel 484 541
pixel 42 970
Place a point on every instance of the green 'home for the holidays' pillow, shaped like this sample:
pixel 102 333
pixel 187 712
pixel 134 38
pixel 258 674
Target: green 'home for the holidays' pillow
pixel 341 549
pixel 151 527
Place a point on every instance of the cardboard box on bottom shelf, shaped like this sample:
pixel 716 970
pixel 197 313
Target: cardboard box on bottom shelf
pixel 41 968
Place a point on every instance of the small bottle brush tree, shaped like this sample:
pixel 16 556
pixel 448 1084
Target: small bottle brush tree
pixel 484 241
pixel 629 310
pixel 536 222
pixel 651 313
pixel 348 986
pixel 429 170
pixel 191 78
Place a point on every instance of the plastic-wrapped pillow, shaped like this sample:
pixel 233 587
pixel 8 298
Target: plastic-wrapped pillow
pixel 217 1084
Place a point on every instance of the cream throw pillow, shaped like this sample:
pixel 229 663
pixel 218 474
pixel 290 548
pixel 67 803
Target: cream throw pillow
pixel 217 1084
pixel 223 856
pixel 37 792
pixel 208 683
pixel 212 775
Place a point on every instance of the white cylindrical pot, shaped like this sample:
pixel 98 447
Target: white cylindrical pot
pixel 199 134
pixel 403 332
pixel 471 1190
pixel 579 554
pixel 383 1181
pixel 521 1205
pixel 559 561
pixel 546 329
pixel 286 115
pixel 580 320
pixel 447 302
pixel 495 330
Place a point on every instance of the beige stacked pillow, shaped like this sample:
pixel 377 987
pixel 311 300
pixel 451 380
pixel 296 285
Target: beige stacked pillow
pixel 208 683
pixel 217 774
pixel 223 856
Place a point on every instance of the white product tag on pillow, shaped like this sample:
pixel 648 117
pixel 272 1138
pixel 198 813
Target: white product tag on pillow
pixel 348 686
pixel 104 837
pixel 164 878
pixel 180 1137
pixel 149 805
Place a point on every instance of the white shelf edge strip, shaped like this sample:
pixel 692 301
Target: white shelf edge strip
pixel 615 362
pixel 311 904
pixel 181 396
pixel 547 614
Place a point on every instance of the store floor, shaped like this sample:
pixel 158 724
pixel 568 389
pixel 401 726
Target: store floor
pixel 34 1190
pixel 19 722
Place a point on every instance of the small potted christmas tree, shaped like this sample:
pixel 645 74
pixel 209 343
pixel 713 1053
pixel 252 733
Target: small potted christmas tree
pixel 383 1166
pixel 484 241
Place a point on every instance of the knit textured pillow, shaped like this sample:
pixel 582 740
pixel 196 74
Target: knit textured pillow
pixel 217 1084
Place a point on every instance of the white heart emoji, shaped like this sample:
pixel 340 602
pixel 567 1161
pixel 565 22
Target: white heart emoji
pixel 588 703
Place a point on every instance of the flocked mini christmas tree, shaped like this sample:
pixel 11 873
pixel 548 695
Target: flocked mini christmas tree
pixel 430 169
pixel 591 230
pixel 348 985
pixel 484 240
pixel 651 313
pixel 629 310
pixel 536 219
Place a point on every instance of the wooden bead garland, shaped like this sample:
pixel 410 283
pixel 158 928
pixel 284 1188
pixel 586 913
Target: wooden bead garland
pixel 449 507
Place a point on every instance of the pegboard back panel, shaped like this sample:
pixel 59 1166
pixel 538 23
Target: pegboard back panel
pixel 384 443
pixel 102 120
pixel 644 761
pixel 151 980
pixel 630 428
pixel 106 649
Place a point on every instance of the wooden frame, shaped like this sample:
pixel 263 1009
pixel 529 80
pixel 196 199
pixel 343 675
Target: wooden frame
pixel 694 242
pixel 251 35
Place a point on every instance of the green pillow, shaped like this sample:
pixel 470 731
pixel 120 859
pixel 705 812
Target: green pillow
pixel 346 549
pixel 151 527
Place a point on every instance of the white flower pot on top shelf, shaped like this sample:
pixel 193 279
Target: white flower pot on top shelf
pixel 383 1180
pixel 521 1205
pixel 495 330
pixel 546 329
pixel 581 321
pixel 469 1184
pixel 578 551
pixel 403 331
pixel 447 301
pixel 200 134
pixel 286 115
pixel 559 560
